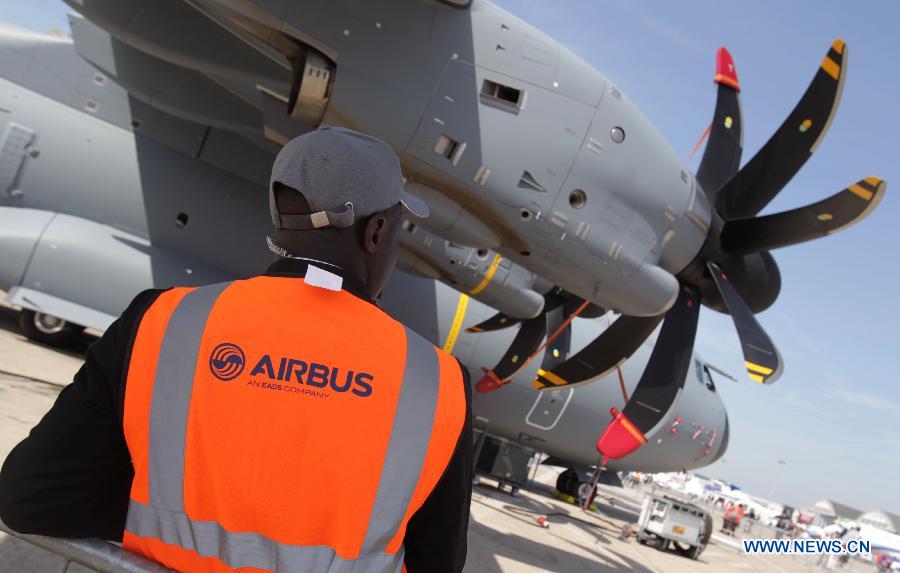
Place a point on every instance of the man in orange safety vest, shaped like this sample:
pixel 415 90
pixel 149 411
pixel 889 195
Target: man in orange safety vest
pixel 282 422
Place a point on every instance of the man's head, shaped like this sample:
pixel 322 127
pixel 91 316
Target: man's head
pixel 337 195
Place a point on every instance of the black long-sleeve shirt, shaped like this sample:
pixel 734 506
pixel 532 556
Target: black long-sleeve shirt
pixel 71 477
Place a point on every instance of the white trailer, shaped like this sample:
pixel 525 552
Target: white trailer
pixel 666 520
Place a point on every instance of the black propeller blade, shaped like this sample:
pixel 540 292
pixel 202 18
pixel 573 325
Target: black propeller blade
pixel 601 355
pixel 853 204
pixel 661 382
pixel 526 342
pixel 500 321
pixel 761 358
pixel 497 322
pixel 789 148
pixel 722 156
pixel 558 349
pixel 590 310
pixel 664 376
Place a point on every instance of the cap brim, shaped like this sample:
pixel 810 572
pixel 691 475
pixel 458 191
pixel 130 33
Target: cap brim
pixel 413 204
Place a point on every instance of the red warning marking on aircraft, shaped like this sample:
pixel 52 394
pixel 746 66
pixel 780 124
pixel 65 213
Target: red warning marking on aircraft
pixel 726 74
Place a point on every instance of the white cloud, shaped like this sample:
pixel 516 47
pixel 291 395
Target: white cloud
pixel 864 400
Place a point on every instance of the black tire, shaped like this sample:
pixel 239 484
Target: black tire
pixel 686 550
pixel 568 483
pixel 46 328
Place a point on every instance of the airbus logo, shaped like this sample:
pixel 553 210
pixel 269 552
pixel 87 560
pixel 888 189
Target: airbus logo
pixel 226 361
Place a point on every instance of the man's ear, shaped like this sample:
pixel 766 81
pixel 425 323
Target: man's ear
pixel 374 232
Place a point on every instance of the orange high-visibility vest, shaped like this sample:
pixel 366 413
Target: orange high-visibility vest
pixel 276 426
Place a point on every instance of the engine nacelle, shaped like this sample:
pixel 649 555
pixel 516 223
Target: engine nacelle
pixel 480 273
pixel 449 220
pixel 49 259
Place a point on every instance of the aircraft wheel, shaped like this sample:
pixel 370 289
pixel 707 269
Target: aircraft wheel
pixel 568 483
pixel 46 328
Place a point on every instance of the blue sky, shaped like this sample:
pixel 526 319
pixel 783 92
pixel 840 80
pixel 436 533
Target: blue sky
pixel 834 417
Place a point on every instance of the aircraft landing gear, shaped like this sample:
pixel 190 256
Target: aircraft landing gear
pixel 568 482
pixel 46 328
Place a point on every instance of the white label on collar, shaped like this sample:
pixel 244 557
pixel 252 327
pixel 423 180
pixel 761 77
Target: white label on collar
pixel 323 279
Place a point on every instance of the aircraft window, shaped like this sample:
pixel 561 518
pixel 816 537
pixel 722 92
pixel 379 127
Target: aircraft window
pixel 181 220
pixel 449 148
pixel 508 97
pixel 481 254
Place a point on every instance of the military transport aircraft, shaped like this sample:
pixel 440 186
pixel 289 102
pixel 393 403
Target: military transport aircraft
pixel 136 155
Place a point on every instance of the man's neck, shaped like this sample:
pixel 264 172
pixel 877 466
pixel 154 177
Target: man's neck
pixel 349 263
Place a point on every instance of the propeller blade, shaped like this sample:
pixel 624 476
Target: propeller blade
pixel 600 356
pixel 761 358
pixel 500 321
pixel 664 376
pixel 526 342
pixel 794 142
pixel 846 208
pixel 558 350
pixel 497 322
pixel 590 311
pixel 661 382
pixel 722 156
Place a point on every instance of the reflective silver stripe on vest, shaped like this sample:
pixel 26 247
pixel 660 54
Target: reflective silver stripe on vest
pixel 171 400
pixel 164 517
pixel 209 539
pixel 410 435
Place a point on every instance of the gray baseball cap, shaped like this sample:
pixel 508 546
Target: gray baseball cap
pixel 344 175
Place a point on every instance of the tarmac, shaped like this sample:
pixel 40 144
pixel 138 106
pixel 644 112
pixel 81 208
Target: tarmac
pixel 504 536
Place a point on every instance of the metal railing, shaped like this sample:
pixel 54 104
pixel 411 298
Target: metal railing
pixel 95 554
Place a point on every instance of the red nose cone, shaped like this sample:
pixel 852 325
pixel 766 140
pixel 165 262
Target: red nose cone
pixel 620 437
pixel 488 383
pixel 726 73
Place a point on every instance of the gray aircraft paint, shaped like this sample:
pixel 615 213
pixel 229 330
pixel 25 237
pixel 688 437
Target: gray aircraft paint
pixel 433 58
pixel 95 220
